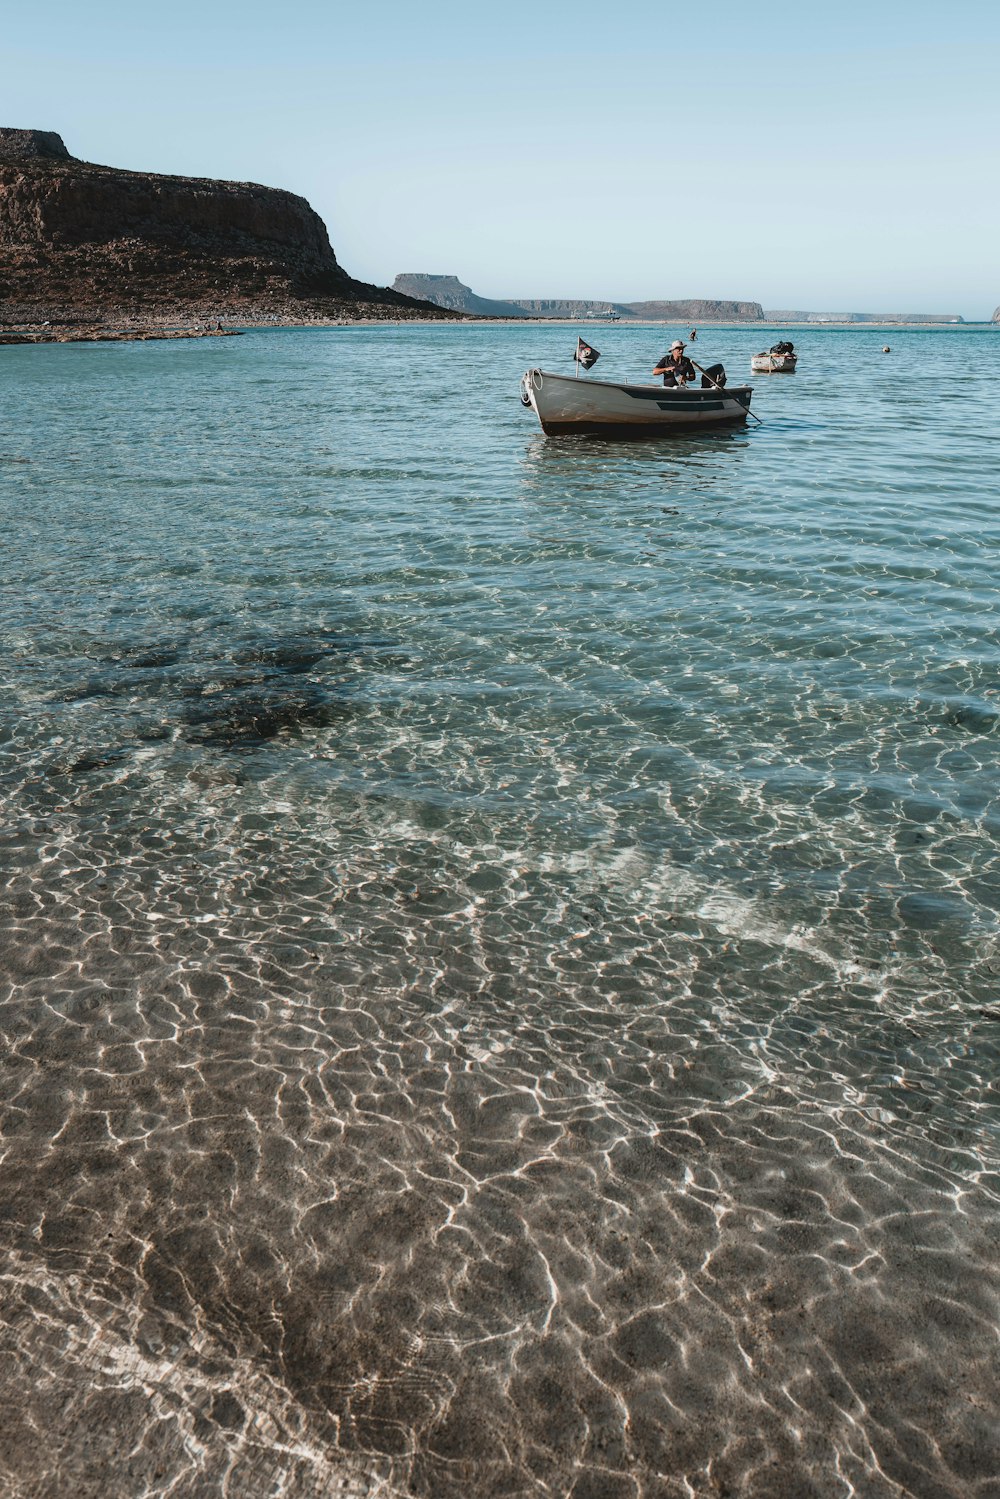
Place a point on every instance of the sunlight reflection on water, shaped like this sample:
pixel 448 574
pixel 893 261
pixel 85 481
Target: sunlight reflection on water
pixel 500 934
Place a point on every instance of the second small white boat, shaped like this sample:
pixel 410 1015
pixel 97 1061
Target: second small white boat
pixel 779 359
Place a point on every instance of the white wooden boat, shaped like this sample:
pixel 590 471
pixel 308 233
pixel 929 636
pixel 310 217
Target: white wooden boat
pixel 568 405
pixel 773 364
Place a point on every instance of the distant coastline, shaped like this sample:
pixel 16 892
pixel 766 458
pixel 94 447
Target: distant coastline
pixel 449 293
pixel 150 331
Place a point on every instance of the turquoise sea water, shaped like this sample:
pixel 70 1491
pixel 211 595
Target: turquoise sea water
pixel 498 935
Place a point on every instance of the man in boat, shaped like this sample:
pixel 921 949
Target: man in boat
pixel 675 367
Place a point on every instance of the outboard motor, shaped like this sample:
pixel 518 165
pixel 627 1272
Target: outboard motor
pixel 783 348
pixel 714 376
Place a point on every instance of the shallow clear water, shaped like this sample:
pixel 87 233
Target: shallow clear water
pixel 498 935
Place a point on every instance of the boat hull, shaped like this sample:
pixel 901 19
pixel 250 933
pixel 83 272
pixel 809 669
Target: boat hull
pixel 566 407
pixel 773 364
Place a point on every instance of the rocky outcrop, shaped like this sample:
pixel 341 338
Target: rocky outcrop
pixel 82 240
pixel 29 145
pixel 448 291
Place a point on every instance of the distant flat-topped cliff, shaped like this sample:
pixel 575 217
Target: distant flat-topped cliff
pixel 448 291
pixel 81 240
pixel 699 310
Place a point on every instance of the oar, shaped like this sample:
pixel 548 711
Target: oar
pixel 723 390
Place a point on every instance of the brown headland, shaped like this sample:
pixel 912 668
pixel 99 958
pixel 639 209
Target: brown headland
pixel 83 245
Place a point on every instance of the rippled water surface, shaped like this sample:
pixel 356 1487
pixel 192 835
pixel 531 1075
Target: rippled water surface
pixel 499 935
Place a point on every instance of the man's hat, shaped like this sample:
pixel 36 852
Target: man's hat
pixel 677 344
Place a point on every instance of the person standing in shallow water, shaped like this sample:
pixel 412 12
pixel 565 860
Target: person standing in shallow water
pixel 675 367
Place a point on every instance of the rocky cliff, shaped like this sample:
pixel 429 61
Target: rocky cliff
pixel 569 307
pixel 448 291
pixel 79 240
pixel 699 310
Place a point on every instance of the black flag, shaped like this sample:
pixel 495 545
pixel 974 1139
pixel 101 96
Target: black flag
pixel 585 355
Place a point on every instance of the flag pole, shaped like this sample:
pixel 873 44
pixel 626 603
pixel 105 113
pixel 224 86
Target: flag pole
pixel 578 356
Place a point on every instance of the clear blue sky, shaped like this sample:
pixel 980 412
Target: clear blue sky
pixel 835 158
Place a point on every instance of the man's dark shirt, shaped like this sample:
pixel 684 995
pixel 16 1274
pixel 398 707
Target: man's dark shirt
pixel 679 369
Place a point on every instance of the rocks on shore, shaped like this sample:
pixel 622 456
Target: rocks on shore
pixel 76 335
